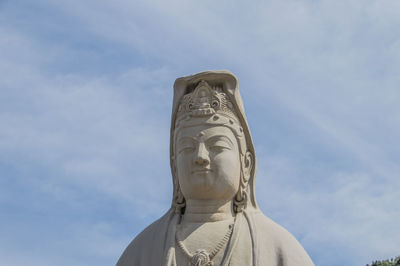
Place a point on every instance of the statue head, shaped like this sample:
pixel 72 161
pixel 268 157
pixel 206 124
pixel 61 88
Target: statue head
pixel 212 154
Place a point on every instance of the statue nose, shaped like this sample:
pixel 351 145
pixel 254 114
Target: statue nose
pixel 202 157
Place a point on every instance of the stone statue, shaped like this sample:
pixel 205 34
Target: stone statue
pixel 214 218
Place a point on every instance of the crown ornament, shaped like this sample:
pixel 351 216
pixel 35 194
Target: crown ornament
pixel 212 105
pixel 206 100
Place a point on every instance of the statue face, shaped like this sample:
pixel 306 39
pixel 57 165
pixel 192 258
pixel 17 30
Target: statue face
pixel 207 162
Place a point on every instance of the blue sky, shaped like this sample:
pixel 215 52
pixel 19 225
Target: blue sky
pixel 85 100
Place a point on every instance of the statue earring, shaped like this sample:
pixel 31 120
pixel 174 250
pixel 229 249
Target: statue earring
pixel 240 200
pixel 179 200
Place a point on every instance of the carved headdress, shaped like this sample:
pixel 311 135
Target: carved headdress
pixel 212 97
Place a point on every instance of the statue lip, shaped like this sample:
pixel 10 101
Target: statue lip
pixel 201 170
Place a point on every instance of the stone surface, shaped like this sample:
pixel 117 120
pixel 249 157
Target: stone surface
pixel 214 218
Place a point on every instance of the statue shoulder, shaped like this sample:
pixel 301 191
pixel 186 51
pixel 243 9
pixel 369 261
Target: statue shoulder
pixel 145 243
pixel 274 240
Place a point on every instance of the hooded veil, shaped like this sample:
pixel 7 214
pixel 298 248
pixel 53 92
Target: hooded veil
pixel 229 84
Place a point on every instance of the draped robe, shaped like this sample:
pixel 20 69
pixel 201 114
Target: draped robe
pixel 258 242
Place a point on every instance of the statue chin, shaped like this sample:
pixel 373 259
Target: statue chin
pixel 214 218
pixel 202 180
pixel 205 188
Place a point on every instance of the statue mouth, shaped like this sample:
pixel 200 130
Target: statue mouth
pixel 201 171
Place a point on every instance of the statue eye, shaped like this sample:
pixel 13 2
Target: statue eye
pixel 219 146
pixel 186 149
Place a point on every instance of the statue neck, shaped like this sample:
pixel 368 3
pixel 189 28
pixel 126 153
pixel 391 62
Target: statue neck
pixel 202 211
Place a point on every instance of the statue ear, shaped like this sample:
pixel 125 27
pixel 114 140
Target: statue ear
pixel 240 201
pixel 247 166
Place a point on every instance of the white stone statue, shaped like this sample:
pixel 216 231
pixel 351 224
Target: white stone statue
pixel 214 218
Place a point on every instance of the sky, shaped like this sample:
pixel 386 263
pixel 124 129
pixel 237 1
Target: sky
pixel 85 102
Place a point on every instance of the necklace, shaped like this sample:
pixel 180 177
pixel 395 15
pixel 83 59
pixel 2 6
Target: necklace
pixel 201 257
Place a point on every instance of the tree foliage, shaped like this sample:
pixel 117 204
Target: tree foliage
pixel 391 262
